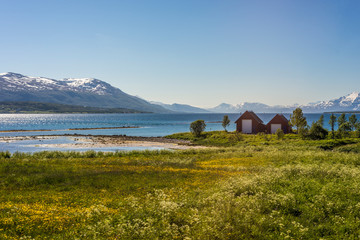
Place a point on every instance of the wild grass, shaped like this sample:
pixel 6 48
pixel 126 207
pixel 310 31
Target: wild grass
pixel 255 187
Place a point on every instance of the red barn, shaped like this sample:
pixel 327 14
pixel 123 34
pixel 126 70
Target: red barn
pixel 250 123
pixel 279 121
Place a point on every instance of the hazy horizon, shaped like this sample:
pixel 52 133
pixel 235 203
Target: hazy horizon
pixel 201 53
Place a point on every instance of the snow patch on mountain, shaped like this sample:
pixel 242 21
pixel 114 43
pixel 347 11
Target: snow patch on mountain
pixel 349 99
pixel 350 102
pixel 17 82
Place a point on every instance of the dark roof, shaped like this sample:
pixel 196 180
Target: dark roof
pixel 252 114
pixel 283 117
pixel 279 116
pixel 255 116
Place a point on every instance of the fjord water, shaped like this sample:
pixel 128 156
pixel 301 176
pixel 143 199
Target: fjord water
pixel 148 125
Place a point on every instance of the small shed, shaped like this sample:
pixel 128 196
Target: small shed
pixel 279 121
pixel 249 123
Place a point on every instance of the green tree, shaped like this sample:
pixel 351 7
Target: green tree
pixel 197 127
pixel 225 122
pixel 321 120
pixel 298 120
pixel 332 122
pixel 344 129
pixel 357 130
pixel 341 119
pixel 353 122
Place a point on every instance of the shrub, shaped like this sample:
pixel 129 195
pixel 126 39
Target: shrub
pixel 317 131
pixel 197 127
pixel 264 136
pixel 280 133
pixel 238 136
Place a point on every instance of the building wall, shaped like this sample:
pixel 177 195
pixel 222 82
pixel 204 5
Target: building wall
pixel 279 120
pixel 256 125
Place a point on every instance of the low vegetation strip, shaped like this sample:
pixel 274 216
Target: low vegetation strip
pixel 256 187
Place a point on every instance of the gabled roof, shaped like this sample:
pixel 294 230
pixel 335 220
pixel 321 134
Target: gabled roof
pixel 256 117
pixel 279 117
pixel 252 114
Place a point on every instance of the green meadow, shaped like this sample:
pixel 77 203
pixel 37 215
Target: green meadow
pixel 240 187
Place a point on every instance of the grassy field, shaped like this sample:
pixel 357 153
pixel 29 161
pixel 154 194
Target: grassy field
pixel 242 187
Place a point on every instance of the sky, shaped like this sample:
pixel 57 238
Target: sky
pixel 197 52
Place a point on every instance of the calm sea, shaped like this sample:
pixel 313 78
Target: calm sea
pixel 149 124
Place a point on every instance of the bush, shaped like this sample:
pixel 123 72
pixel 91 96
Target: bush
pixel 264 136
pixel 317 132
pixel 280 133
pixel 197 127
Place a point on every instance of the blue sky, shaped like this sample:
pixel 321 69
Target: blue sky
pixel 194 52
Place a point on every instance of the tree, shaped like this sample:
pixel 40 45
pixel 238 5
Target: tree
pixel 298 120
pixel 341 119
pixel 357 130
pixel 197 127
pixel 225 122
pixel 344 129
pixel 353 122
pixel 332 122
pixel 321 120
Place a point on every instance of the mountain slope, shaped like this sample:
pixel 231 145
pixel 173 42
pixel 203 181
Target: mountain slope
pixel 183 108
pixel 350 102
pixel 84 91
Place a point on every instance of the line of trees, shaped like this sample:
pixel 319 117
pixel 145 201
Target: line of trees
pixel 346 127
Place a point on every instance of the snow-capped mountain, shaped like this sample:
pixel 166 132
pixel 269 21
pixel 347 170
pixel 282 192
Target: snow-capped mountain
pixel 75 91
pixel 96 93
pixel 17 82
pixel 350 102
pixel 228 108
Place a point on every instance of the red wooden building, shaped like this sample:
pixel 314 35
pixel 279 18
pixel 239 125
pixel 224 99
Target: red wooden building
pixel 279 121
pixel 250 123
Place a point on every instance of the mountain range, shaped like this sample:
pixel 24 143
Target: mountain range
pixel 91 92
pixel 350 102
pixel 88 92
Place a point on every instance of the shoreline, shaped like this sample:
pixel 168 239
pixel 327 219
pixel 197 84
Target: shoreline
pixel 101 141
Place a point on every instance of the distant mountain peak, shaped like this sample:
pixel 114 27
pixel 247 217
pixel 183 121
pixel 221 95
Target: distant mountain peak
pixel 350 98
pixel 11 74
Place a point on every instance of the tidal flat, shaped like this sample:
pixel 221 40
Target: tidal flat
pixel 241 187
pixel 77 142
